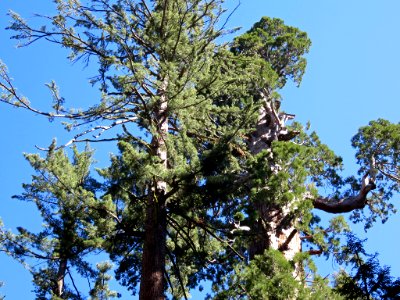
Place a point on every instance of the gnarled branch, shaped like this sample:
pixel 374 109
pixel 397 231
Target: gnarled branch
pixel 347 204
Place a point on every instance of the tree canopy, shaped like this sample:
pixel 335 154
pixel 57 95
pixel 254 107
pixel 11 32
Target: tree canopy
pixel 213 180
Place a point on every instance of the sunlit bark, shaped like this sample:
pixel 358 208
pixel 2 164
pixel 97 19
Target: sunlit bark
pixel 348 204
pixel 154 249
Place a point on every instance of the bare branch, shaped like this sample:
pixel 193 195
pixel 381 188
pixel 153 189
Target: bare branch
pixel 347 204
pixel 391 176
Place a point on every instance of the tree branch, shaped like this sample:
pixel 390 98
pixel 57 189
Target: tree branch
pixel 387 174
pixel 347 204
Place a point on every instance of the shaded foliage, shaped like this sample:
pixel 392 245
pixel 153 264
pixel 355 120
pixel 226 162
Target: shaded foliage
pixel 367 279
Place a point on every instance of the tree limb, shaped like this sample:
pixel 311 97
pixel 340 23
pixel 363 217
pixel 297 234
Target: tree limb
pixel 347 204
pixel 387 174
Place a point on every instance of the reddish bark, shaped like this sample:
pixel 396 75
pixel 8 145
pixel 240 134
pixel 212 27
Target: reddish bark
pixel 154 249
pixel 152 284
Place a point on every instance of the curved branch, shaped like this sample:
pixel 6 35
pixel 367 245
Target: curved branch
pixel 387 174
pixel 347 204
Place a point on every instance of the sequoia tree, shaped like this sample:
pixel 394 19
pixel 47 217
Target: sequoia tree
pixel 297 164
pixel 213 180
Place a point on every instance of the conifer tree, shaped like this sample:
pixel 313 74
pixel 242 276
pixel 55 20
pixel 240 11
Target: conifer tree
pixel 64 195
pixel 367 280
pixel 212 180
pixel 101 289
pixel 281 205
pixel 160 71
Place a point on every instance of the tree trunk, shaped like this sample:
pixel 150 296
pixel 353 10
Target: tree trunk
pixel 152 283
pixel 154 249
pixel 274 228
pixel 283 235
pixel 62 269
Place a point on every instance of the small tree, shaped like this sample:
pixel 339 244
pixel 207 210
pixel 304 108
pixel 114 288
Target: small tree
pixel 64 194
pixel 101 289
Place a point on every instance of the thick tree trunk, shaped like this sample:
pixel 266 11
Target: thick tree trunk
pixel 153 261
pixel 275 230
pixel 275 227
pixel 152 283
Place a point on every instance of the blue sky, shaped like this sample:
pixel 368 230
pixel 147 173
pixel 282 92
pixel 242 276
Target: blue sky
pixel 352 77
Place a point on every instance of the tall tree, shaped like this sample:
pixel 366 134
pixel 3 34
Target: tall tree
pixel 160 71
pixel 296 163
pixel 212 180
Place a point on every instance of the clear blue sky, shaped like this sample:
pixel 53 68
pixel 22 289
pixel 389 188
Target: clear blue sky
pixel 352 77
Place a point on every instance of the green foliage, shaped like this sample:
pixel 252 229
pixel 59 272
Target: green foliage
pixel 186 108
pixel 101 289
pixel 377 147
pixel 64 194
pixel 380 140
pixel 367 280
pixel 270 276
pixel 280 45
pixel 327 239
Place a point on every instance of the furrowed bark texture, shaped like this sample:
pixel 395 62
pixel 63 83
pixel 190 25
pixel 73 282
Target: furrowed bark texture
pixel 275 229
pixel 152 282
pixel 153 260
